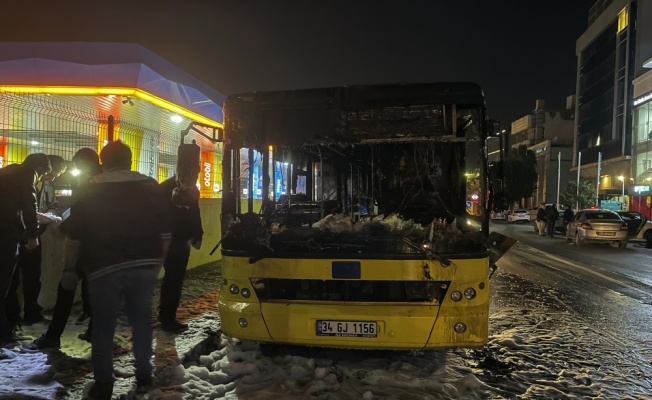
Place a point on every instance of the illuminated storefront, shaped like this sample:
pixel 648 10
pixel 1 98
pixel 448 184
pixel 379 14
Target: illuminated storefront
pixel 51 105
pixel 56 98
pixel 641 196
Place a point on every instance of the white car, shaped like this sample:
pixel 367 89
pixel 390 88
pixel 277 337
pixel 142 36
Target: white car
pixel 497 214
pixel 518 215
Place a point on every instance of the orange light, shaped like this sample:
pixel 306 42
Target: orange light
pixel 107 91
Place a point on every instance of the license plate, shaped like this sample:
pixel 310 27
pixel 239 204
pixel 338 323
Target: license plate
pixel 367 329
pixel 606 233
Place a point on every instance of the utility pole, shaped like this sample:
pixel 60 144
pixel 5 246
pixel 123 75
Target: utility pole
pixel 597 187
pixel 577 191
pixel 558 175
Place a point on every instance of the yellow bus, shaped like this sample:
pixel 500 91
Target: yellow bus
pixel 356 217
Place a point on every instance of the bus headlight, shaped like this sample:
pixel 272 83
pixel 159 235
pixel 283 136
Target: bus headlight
pixel 243 323
pixel 456 295
pixel 245 292
pixel 234 289
pixel 470 293
pixel 459 327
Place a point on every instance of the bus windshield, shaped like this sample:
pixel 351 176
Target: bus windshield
pixel 390 169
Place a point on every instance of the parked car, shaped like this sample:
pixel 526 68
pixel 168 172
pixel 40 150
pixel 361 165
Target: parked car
pixel 597 225
pixel 518 215
pixel 638 225
pixel 498 214
pixel 646 233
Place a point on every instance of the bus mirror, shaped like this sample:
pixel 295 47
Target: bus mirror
pixel 498 244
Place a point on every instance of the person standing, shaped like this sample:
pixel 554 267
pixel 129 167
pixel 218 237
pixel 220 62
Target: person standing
pixel 29 262
pixel 18 219
pixel 541 219
pixel 187 232
pixel 87 162
pixel 567 217
pixel 120 225
pixel 551 215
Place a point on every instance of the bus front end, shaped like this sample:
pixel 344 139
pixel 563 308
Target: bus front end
pixel 393 304
pixel 355 217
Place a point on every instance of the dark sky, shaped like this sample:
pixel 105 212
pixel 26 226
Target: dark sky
pixel 518 50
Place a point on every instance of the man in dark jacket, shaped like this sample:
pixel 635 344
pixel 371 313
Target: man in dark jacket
pixel 551 215
pixel 87 162
pixel 28 268
pixel 18 221
pixel 568 217
pixel 120 227
pixel 186 232
pixel 541 219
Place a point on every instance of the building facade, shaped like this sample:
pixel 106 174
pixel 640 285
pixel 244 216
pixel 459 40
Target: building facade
pixel 610 146
pixel 605 70
pixel 549 135
pixel 639 189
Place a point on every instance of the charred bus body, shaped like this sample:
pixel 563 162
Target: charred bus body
pixel 355 217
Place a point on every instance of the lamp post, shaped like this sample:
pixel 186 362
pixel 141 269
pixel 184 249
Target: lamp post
pixel 622 199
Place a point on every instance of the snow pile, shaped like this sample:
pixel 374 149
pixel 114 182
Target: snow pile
pixel 539 348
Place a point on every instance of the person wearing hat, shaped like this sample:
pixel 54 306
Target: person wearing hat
pixel 18 219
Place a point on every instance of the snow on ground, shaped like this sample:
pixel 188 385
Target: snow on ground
pixel 538 349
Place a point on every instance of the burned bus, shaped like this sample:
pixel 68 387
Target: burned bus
pixel 356 217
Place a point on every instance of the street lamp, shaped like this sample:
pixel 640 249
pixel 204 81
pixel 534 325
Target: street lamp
pixel 622 179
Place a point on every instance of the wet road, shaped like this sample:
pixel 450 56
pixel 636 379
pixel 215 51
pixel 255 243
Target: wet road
pixel 570 322
pixel 628 271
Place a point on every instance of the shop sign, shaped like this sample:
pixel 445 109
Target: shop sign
pixel 643 99
pixel 207 174
pixel 641 190
pixel 611 205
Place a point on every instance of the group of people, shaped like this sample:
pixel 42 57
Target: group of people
pixel 122 227
pixel 547 216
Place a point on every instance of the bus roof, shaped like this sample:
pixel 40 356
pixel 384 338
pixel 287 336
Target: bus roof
pixel 353 114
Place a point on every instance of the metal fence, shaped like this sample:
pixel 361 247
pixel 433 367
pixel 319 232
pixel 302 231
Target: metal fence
pixel 55 125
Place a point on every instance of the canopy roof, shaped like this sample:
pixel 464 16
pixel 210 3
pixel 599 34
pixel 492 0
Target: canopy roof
pixel 89 70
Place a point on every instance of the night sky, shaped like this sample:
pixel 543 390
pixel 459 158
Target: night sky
pixel 518 50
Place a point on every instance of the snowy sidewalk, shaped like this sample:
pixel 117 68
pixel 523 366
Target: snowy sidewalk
pixel 68 374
